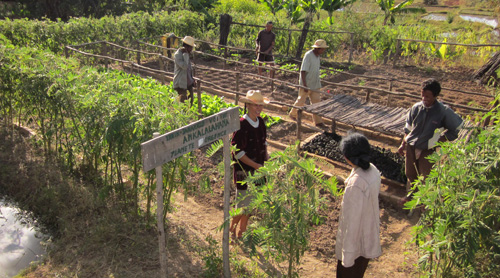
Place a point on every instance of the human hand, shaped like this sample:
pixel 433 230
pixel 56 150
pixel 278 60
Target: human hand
pixel 401 149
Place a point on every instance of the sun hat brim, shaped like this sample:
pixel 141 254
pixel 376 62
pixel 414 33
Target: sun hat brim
pixel 264 100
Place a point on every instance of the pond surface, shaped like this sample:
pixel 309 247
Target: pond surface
pixel 474 18
pixel 20 241
pixel 481 19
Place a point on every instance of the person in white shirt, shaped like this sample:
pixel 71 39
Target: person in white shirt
pixel 358 236
pixel 310 78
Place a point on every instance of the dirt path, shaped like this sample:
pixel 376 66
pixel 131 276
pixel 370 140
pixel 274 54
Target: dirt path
pixel 398 258
pixel 201 215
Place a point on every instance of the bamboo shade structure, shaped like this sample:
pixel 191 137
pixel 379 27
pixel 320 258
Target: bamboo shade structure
pixel 350 110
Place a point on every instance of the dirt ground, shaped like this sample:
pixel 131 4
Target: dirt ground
pixel 399 256
pixel 201 214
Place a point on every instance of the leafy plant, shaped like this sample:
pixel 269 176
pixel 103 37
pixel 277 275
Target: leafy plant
pixel 288 203
pixel 271 120
pixel 94 120
pixel 332 5
pixel 290 67
pixel 211 104
pixel 212 259
pixel 458 232
pixel 390 9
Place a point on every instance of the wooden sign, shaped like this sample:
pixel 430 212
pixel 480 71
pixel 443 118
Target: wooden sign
pixel 169 146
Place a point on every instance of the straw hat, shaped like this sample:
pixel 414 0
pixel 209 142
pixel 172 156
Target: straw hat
pixel 189 41
pixel 255 97
pixel 320 44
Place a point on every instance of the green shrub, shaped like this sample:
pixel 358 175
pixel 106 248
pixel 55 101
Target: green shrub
pixel 91 119
pixel 238 6
pixel 458 232
pixel 288 203
pixel 54 35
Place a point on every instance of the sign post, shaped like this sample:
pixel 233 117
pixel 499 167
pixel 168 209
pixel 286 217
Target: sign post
pixel 164 148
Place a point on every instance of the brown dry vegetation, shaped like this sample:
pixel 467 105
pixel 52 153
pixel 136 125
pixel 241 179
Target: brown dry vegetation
pixel 94 239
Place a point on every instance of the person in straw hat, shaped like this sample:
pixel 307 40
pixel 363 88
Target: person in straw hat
pixel 310 78
pixel 183 72
pixel 251 144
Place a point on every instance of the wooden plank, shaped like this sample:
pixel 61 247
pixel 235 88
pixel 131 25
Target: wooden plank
pixel 171 145
pixel 227 196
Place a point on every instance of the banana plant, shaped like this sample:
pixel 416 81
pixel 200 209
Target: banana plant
pixel 332 5
pixel 311 8
pixel 292 8
pixel 390 9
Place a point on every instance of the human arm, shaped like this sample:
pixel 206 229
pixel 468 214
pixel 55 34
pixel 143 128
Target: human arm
pixel 402 147
pixel 407 130
pixel 257 43
pixel 270 48
pixel 303 75
pixel 182 59
pixel 452 123
pixel 245 159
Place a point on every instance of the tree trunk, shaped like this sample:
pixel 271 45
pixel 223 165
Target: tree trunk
pixel 225 24
pixel 303 35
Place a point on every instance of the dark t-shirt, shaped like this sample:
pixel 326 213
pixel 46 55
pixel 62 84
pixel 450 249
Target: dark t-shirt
pixel 265 40
pixel 253 142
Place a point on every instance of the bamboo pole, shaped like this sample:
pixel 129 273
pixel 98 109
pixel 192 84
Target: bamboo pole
pixel 289 40
pixel 159 218
pixel 451 43
pixel 160 61
pixel 138 58
pixel 351 48
pixel 227 184
pixel 236 98
pixel 396 53
pixel 299 123
pixel 198 93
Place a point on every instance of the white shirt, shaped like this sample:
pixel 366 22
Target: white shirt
pixel 311 64
pixel 359 223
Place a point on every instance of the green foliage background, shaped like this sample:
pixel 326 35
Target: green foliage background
pixel 458 234
pixel 93 120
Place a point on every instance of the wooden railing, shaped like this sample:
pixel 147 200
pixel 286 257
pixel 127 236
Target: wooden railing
pixel 164 74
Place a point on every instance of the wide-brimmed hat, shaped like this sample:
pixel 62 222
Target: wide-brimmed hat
pixel 320 44
pixel 189 41
pixel 255 97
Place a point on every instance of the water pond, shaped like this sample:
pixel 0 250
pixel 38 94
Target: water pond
pixel 20 240
pixel 474 18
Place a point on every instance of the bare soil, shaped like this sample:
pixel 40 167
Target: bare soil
pixel 400 256
pixel 200 215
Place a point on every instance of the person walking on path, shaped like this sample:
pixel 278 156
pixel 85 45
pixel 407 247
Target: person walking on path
pixel 251 143
pixel 310 78
pixel 183 71
pixel 358 236
pixel 425 123
pixel 264 45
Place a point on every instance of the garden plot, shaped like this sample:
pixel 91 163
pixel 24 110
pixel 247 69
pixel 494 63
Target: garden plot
pixel 390 164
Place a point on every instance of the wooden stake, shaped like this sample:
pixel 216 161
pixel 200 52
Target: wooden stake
pixel 198 93
pixel 159 218
pixel 227 184
pixel 299 123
